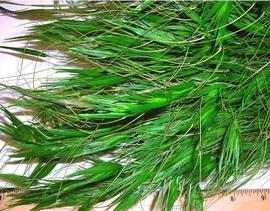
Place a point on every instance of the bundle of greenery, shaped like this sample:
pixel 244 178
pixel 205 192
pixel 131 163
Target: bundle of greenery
pixel 172 94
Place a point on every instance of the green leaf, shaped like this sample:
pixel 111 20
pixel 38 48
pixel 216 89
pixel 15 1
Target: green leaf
pixel 145 4
pixel 193 199
pixel 26 51
pixel 21 181
pixel 99 171
pixel 230 153
pixel 23 131
pixel 43 169
pixel 173 194
pixel 131 200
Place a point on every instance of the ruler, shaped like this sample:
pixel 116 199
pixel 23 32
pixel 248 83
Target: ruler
pixel 240 200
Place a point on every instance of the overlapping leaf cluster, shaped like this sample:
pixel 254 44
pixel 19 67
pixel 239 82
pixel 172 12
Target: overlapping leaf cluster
pixel 175 93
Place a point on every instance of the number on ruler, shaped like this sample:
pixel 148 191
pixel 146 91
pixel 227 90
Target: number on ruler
pixel 263 197
pixel 232 198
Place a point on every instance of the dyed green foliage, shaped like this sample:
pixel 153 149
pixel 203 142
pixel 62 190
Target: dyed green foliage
pixel 175 93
